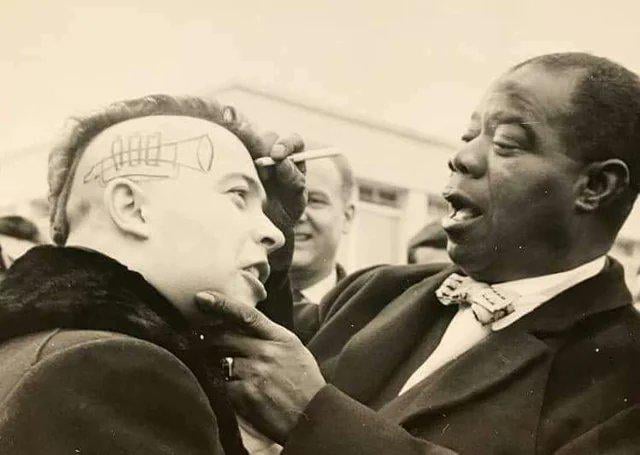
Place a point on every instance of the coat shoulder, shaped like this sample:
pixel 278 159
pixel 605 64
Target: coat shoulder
pixel 69 381
pixel 594 379
pixel 18 355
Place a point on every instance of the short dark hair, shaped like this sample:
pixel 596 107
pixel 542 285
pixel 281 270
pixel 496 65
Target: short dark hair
pixel 604 121
pixel 19 228
pixel 64 157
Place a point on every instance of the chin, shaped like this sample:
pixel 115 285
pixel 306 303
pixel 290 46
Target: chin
pixel 301 261
pixel 473 261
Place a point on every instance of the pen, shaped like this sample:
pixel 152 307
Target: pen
pixel 302 156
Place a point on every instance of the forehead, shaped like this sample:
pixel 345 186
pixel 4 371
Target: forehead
pixel 323 174
pixel 168 129
pixel 534 92
pixel 190 141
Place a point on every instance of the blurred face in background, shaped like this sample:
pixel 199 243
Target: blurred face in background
pixel 326 219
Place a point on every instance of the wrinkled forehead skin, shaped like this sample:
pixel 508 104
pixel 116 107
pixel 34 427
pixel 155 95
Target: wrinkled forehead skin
pixel 157 148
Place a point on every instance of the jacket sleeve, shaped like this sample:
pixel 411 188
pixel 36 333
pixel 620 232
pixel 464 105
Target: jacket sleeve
pixel 115 395
pixel 333 423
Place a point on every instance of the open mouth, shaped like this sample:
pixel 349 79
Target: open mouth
pixel 462 211
pixel 256 276
pixel 259 271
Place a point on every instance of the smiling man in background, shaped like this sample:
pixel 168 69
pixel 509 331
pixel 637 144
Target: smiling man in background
pixel 529 344
pixel 324 223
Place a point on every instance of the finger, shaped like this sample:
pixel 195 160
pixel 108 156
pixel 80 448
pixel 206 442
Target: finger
pixel 268 141
pixel 264 172
pixel 288 173
pixel 245 396
pixel 286 146
pixel 250 369
pixel 244 316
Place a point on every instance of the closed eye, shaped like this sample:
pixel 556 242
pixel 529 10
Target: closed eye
pixel 505 148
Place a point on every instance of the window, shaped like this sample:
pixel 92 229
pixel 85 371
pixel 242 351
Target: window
pixel 374 193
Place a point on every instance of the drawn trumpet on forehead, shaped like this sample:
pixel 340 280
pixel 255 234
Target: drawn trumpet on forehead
pixel 149 157
pixel 302 156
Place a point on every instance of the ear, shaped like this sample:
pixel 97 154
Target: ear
pixel 127 206
pixel 349 213
pixel 601 183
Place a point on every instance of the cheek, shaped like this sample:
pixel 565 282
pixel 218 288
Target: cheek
pixel 523 186
pixel 200 232
pixel 533 206
pixel 327 219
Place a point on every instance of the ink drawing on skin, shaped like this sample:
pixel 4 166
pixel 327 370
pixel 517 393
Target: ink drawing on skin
pixel 148 157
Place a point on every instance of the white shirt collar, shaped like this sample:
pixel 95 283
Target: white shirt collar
pixel 535 291
pixel 316 292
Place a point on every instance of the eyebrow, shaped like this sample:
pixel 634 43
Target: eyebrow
pixel 253 184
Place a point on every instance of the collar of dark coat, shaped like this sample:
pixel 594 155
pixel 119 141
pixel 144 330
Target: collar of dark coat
pixel 577 303
pixel 64 287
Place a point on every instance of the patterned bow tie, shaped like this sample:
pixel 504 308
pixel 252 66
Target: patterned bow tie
pixel 488 304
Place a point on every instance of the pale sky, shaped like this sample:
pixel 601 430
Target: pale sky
pixel 420 64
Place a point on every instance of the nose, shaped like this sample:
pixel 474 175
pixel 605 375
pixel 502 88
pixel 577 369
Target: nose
pixel 269 236
pixel 470 160
pixel 305 215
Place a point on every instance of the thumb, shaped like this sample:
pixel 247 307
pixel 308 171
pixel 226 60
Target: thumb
pixel 242 315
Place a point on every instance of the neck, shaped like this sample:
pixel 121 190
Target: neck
pixel 304 278
pixel 111 245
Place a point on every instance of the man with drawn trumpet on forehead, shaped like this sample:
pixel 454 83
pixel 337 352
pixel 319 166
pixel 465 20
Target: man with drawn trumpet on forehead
pixel 102 345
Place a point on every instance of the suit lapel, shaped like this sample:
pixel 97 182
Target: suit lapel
pixel 506 353
pixel 371 356
pixel 499 357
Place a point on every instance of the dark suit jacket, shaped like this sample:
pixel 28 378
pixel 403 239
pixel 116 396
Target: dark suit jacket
pixel 563 379
pixel 306 315
pixel 100 393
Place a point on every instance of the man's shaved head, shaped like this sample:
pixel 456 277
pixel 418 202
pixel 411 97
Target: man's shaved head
pixel 65 157
pixel 146 149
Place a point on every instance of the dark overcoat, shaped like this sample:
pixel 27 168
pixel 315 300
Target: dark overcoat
pixel 563 379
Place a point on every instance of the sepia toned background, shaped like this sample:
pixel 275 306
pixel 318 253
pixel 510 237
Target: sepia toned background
pixel 390 83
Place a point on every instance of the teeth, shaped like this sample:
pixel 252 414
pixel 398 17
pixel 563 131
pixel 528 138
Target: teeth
pixel 463 214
